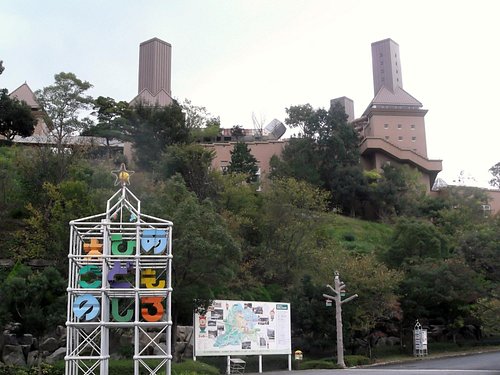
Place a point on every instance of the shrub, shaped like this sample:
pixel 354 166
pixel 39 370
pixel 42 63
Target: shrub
pixel 317 364
pixel 356 360
pixel 193 367
pixel 46 369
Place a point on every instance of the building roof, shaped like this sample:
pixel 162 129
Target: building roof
pixel 162 98
pixel 155 39
pixel 25 94
pixel 388 98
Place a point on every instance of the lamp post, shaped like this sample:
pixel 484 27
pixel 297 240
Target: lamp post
pixel 339 290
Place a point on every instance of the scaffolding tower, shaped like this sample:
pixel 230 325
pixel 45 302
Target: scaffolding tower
pixel 120 267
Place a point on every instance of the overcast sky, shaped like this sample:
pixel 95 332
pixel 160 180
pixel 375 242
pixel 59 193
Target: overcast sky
pixel 238 57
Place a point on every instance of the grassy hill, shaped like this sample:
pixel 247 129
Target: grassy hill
pixel 359 235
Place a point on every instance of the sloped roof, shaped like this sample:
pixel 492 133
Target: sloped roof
pixel 162 98
pixel 398 97
pixel 24 93
pixel 386 97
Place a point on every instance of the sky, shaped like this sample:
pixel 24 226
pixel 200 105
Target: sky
pixel 244 57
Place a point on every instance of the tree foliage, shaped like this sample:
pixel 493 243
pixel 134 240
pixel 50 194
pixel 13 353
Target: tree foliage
pixel 16 117
pixel 63 102
pixel 326 154
pixel 36 299
pixel 242 161
pixel 110 120
pixel 193 163
pixel 495 172
pixel 206 255
pixel 153 129
pixel 415 241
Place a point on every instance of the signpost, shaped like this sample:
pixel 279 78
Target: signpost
pixel 339 291
pixel 419 340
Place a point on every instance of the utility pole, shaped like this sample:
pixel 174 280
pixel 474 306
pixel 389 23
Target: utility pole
pixel 339 291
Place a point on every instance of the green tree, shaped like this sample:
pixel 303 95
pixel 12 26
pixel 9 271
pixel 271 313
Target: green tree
pixel 15 117
pixel 413 242
pixel 495 171
pixel 481 250
pixel 441 290
pixel 298 160
pixel 206 255
pixel 193 163
pixel 287 244
pixel 397 192
pixel 327 154
pixel 203 126
pixel 153 129
pixel 237 132
pixel 462 211
pixel 110 120
pixel 242 161
pixel 35 299
pixel 377 304
pixel 63 102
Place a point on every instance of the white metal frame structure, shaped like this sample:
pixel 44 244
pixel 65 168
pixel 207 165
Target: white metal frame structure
pixel 120 267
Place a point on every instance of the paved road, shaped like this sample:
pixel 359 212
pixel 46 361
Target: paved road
pixel 474 364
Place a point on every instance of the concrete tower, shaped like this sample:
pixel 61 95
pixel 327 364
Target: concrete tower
pixel 392 128
pixel 155 62
pixel 386 65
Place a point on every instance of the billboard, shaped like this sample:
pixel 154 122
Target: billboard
pixel 243 328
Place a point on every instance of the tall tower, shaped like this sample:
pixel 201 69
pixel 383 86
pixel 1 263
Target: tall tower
pixel 155 62
pixel 393 126
pixel 386 65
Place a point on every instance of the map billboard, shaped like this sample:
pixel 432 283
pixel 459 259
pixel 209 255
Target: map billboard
pixel 243 328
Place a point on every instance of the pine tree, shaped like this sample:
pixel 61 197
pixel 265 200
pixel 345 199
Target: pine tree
pixel 242 161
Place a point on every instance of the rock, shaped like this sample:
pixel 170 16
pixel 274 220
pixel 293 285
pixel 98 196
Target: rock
pixel 50 344
pixel 158 349
pixel 25 339
pixel 13 355
pixel 188 352
pixel 393 341
pixel 32 358
pixel 61 331
pixel 56 356
pixel 9 339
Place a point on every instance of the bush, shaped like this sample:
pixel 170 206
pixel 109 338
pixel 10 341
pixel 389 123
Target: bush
pixel 46 369
pixel 126 367
pixel 356 360
pixel 317 364
pixel 193 367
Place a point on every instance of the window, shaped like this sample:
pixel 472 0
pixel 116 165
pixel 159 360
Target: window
pixel 413 139
pixel 400 138
pixel 386 126
pixel 412 126
pixel 400 126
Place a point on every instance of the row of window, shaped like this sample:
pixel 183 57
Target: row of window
pixel 400 138
pixel 400 126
